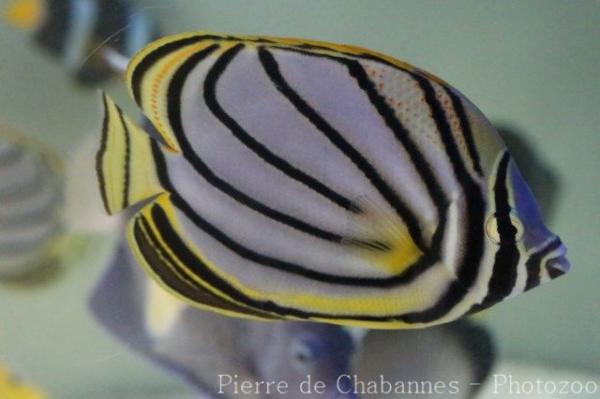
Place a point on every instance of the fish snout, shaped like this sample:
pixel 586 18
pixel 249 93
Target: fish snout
pixel 557 266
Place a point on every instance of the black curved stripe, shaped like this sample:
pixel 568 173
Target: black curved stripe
pixel 475 203
pixel 172 239
pixel 465 128
pixel 174 115
pixel 422 167
pixel 152 58
pixel 405 277
pixel 504 276
pixel 271 67
pixel 155 255
pixel 155 55
pixel 402 135
pixel 126 164
pixel 294 268
pixel 474 237
pixel 469 267
pixel 533 264
pixel 101 153
pixel 258 148
pixel 365 56
pixel 199 268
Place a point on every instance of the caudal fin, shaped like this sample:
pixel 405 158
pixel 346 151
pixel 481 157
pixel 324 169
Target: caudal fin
pixel 124 163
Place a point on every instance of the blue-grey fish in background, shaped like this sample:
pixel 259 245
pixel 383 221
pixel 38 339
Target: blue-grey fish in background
pixel 78 31
pixel 200 345
pixel 31 209
pixel 459 356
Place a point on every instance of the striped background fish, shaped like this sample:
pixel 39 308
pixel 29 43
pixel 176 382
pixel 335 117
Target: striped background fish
pixel 31 200
pixel 306 180
pixel 76 31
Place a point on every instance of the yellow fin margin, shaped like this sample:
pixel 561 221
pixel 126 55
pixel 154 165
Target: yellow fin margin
pixel 171 61
pixel 166 269
pixel 146 248
pixel 124 163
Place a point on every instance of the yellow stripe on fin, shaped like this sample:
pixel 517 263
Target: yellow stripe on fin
pixel 124 163
pixel 166 269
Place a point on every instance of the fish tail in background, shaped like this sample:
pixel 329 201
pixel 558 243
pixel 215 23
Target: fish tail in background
pixel 121 26
pixel 78 32
pixel 461 352
pixel 162 310
pixel 123 162
pixel 479 344
pixel 115 60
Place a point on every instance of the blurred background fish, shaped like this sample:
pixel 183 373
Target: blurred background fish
pixel 79 32
pixel 49 208
pixel 31 209
pixel 12 387
pixel 199 345
pixel 459 355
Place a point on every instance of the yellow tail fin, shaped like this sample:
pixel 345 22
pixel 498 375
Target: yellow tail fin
pixel 124 163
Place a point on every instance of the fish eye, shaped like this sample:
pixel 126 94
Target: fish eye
pixel 491 227
pixel 302 355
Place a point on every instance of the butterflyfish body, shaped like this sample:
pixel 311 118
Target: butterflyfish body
pixel 305 180
pixel 78 31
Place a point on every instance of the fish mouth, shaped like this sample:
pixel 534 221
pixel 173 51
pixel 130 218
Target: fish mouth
pixel 558 264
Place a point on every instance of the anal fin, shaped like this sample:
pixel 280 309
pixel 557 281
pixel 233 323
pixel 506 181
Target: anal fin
pixel 166 268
